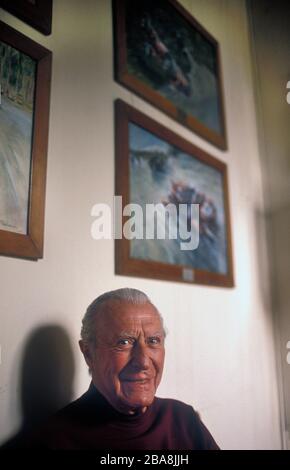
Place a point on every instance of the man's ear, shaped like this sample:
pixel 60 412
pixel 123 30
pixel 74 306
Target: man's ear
pixel 85 349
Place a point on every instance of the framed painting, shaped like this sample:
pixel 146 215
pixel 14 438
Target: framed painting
pixel 25 76
pixel 36 13
pixel 157 170
pixel 164 55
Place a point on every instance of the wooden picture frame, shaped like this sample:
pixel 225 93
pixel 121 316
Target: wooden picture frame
pixel 25 95
pixel 153 164
pixel 165 56
pixel 36 13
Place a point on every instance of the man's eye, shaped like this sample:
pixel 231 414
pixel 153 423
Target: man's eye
pixel 124 342
pixel 154 340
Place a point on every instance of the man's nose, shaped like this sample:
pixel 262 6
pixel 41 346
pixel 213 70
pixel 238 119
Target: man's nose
pixel 140 357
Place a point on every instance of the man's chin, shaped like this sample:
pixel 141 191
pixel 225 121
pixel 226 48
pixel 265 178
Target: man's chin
pixel 133 403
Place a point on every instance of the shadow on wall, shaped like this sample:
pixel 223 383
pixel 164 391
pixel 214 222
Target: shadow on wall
pixel 46 381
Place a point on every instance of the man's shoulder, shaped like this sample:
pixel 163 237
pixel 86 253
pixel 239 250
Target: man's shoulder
pixel 174 404
pixel 77 408
pixel 73 405
pixel 187 420
pixel 177 408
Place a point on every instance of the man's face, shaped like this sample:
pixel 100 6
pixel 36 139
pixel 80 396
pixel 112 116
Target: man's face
pixel 128 358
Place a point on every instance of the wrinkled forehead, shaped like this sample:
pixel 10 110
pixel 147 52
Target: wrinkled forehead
pixel 119 316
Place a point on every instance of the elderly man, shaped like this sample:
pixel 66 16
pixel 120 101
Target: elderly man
pixel 123 345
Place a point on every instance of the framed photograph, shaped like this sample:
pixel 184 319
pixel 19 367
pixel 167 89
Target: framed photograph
pixel 164 55
pixel 25 75
pixel 157 170
pixel 36 13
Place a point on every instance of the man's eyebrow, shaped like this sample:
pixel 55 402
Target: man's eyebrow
pixel 134 335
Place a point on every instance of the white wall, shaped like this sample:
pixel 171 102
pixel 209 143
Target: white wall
pixel 220 353
pixel 273 72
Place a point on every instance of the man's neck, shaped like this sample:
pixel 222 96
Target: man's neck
pixel 134 412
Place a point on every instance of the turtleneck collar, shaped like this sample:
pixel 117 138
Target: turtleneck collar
pixel 107 412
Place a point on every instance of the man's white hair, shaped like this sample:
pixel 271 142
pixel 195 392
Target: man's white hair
pixel 126 295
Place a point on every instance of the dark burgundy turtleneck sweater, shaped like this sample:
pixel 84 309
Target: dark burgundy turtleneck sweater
pixel 92 423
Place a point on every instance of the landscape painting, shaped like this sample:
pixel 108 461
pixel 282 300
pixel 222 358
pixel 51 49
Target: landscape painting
pixel 163 170
pixel 164 55
pixel 17 81
pixel 25 76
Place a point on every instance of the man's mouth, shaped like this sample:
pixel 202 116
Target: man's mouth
pixel 136 380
